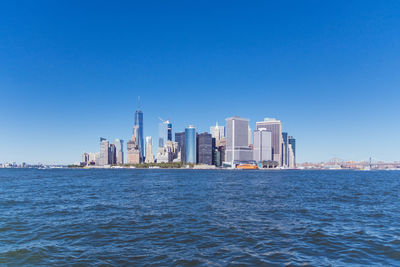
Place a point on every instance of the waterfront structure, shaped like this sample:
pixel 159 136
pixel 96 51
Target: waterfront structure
pixel 217 132
pixel 119 151
pixel 205 149
pixel 149 150
pixel 237 147
pixel 262 145
pixel 180 139
pixel 275 127
pixel 133 151
pixel 190 144
pixel 104 151
pixel 139 137
pixel 163 132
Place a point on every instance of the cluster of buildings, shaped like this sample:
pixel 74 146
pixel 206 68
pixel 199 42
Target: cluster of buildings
pixel 223 146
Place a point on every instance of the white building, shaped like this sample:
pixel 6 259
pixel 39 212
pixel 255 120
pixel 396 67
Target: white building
pixel 262 150
pixel 217 132
pixel 275 127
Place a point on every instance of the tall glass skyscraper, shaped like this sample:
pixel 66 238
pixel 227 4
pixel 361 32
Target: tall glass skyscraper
pixel 190 144
pixel 140 137
pixel 169 131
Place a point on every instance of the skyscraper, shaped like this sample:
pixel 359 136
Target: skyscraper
pixel 169 129
pixel 103 159
pixel 217 132
pixel 262 145
pixel 275 127
pixel 119 151
pixel 112 155
pixel 204 149
pixel 133 151
pixel 237 147
pixel 140 138
pixel 180 139
pixel 149 150
pixel 163 132
pixel 190 144
pixel 285 149
pixel 292 142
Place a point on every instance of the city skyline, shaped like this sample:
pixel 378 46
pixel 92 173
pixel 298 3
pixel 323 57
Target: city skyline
pixel 71 74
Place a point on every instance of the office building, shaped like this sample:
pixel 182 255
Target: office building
pixel 262 145
pixel 149 150
pixel 291 159
pixel 104 151
pixel 133 151
pixel 292 142
pixel 250 135
pixel 285 143
pixel 112 155
pixel 190 144
pixel 205 149
pixel 275 127
pixel 180 139
pixel 140 137
pixel 237 140
pixel 217 132
pixel 163 132
pixel 119 151
pixel 168 153
pixel 169 131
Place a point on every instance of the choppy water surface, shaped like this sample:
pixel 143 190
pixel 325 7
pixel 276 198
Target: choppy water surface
pixel 189 217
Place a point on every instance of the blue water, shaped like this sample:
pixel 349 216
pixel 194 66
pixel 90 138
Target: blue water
pixel 199 217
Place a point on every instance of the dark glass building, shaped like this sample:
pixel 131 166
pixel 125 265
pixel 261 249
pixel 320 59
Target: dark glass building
pixel 204 149
pixel 140 137
pixel 285 155
pixel 169 132
pixel 180 139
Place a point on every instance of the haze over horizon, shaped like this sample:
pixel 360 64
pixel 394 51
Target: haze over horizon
pixel 71 72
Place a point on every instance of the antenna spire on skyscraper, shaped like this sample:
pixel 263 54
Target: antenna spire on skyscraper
pixel 138 102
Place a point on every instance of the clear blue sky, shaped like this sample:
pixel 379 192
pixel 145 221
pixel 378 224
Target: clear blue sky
pixel 71 71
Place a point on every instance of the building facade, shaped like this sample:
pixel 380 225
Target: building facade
pixel 205 149
pixel 237 147
pixel 190 144
pixel 149 150
pixel 119 151
pixel 275 127
pixel 180 139
pixel 140 137
pixel 163 133
pixel 217 132
pixel 133 151
pixel 104 151
pixel 262 145
pixel 292 142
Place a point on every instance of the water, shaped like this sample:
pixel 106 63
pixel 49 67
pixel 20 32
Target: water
pixel 199 217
